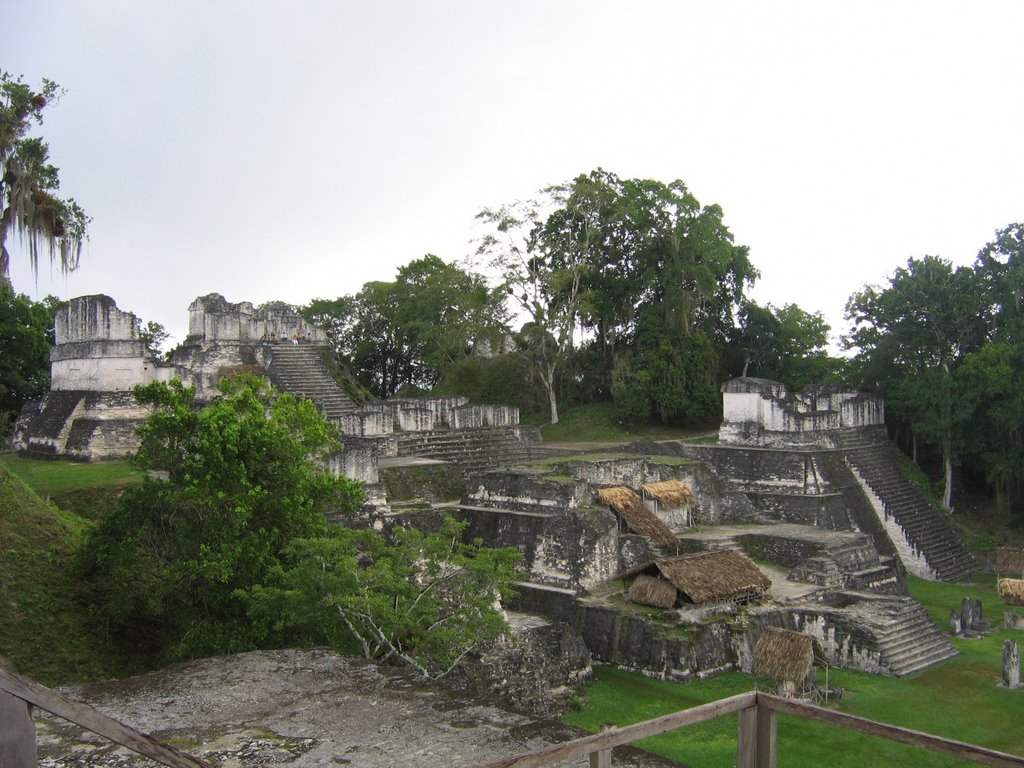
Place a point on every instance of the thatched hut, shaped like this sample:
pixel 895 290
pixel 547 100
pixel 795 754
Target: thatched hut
pixel 787 656
pixel 638 518
pixel 650 590
pixel 715 576
pixel 1009 560
pixel 670 497
pixel 1012 591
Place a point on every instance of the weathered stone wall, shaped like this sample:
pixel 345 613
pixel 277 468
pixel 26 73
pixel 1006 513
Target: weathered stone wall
pixel 762 412
pixel 570 549
pixel 97 348
pixel 622 637
pixel 525 492
pixel 213 318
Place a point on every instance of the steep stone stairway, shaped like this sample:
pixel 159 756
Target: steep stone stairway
pixel 473 450
pixel 299 369
pixel 873 458
pixel 909 640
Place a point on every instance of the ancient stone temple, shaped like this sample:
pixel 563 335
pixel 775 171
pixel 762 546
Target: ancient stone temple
pixel 99 357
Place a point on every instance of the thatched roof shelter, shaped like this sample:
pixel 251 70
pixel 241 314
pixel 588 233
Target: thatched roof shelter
pixel 630 507
pixel 784 655
pixel 671 494
pixel 650 590
pixel 1009 560
pixel 704 577
pixel 1012 591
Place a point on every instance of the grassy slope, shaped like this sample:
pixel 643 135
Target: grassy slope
pixel 958 699
pixel 86 489
pixel 44 632
pixel 596 422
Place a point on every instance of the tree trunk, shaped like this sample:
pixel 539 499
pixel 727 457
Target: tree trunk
pixel 947 467
pixel 552 400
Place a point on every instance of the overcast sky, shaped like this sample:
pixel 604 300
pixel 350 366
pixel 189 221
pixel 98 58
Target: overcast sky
pixel 293 150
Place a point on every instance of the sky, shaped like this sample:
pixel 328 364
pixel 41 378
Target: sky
pixel 295 150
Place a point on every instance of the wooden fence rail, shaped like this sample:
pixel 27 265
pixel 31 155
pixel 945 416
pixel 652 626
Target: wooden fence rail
pixel 756 738
pixel 18 732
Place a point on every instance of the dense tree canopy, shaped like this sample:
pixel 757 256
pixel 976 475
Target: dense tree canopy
pixel 242 482
pixel 402 336
pixel 29 183
pixel 26 332
pixel 651 277
pixel 944 345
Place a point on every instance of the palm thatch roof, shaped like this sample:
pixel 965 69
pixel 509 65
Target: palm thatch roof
pixel 1012 591
pixel 784 655
pixel 630 507
pixel 671 494
pixel 1009 560
pixel 650 590
pixel 702 577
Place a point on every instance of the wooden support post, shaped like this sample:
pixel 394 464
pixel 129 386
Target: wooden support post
pixel 602 759
pixel 17 733
pixel 756 742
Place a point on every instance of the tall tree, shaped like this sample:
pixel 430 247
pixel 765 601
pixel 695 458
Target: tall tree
pixel 241 480
pixel 26 333
pixel 405 334
pixel 912 336
pixel 29 204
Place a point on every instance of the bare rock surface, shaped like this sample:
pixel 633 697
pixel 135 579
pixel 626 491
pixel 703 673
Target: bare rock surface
pixel 302 708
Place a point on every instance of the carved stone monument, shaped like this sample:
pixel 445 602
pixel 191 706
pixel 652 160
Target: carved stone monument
pixel 1011 665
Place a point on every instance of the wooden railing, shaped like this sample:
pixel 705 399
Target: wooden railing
pixel 18 732
pixel 756 747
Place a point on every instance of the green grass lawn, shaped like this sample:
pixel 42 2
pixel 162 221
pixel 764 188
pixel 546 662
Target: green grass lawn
pixel 87 489
pixel 45 632
pixel 596 422
pixel 958 699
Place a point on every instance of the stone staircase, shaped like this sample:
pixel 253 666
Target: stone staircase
pixel 48 427
pixel 910 641
pixel 300 369
pixel 926 529
pixel 473 450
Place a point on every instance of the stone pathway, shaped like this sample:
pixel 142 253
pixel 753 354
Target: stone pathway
pixel 308 709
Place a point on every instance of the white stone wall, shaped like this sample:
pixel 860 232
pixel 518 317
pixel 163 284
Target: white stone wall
pixel 94 318
pixel 109 374
pixel 213 318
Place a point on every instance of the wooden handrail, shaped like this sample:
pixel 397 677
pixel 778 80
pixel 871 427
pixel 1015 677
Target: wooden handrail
pixel 90 718
pixel 617 737
pixel 756 736
pixel 917 739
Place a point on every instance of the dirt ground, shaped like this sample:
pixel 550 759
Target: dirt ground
pixel 302 708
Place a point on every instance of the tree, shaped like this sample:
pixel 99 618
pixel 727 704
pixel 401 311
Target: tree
pixel 404 335
pixel 153 335
pixel 912 336
pixel 423 600
pixel 168 565
pixel 28 183
pixel 26 333
pixel 785 343
pixel 636 262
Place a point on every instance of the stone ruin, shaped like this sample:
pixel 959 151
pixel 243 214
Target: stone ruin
pixel 99 357
pixel 805 482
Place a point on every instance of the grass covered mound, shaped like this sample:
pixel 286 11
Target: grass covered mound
pixel 44 633
pixel 958 699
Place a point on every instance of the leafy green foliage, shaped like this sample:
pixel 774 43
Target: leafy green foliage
pixel 785 344
pixel 425 600
pixel 28 182
pixel 26 331
pixel 639 265
pixel 45 632
pixel 242 482
pixel 402 336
